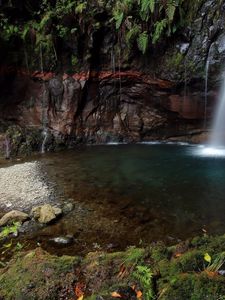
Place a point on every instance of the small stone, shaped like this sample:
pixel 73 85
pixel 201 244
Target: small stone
pixel 13 216
pixel 67 207
pixel 63 240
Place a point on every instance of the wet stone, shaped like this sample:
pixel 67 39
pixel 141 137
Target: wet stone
pixel 13 216
pixel 63 240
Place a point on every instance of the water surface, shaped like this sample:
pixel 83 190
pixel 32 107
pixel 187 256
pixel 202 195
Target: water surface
pixel 130 194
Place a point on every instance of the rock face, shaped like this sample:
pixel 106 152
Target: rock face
pixel 13 216
pixel 120 107
pixel 126 97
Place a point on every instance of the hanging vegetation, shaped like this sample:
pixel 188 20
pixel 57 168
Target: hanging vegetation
pixel 139 23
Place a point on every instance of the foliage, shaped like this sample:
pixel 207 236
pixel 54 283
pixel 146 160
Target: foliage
pixel 7 230
pixel 216 264
pixel 139 23
pixel 143 41
pixel 144 275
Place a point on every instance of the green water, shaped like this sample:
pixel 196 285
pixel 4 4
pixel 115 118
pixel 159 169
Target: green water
pixel 131 194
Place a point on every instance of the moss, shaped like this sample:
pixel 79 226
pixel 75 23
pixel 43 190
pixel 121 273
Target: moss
pixel 23 141
pixel 195 287
pixel 159 252
pixel 209 244
pixel 26 275
pixel 178 272
pixel 175 60
pixel 192 261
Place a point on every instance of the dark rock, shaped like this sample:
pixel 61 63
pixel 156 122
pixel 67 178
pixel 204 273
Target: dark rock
pixel 29 226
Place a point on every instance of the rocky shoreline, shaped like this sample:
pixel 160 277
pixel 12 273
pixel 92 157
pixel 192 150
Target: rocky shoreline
pixel 23 186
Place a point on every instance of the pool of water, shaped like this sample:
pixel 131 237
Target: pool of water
pixel 134 194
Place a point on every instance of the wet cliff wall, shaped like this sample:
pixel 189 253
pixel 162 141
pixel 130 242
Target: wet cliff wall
pixel 91 86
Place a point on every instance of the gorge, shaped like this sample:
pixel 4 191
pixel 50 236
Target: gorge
pixel 112 146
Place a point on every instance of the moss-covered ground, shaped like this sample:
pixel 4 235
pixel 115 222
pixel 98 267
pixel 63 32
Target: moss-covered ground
pixel 190 270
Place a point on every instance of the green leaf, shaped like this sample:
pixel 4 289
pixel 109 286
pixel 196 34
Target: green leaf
pixel 207 258
pixel 119 19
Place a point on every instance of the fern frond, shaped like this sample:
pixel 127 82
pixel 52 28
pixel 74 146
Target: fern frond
pixel 118 17
pixel 152 5
pixel 142 42
pixel 132 34
pixel 170 10
pixel 159 28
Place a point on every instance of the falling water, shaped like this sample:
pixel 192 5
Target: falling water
pixel 7 148
pixel 218 129
pixel 206 90
pixel 113 63
pixel 45 135
pixel 185 79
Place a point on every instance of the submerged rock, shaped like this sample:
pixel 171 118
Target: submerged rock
pixel 45 213
pixel 67 207
pixel 13 216
pixel 63 240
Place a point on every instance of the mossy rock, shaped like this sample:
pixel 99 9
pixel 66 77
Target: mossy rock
pixel 174 273
pixel 195 287
pixel 37 275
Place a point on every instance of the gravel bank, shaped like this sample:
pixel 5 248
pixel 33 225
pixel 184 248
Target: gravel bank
pixel 23 186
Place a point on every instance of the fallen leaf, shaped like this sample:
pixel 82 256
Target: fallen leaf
pixel 207 258
pixel 79 290
pixel 211 274
pixel 116 295
pixel 178 255
pixel 139 294
pixel 81 297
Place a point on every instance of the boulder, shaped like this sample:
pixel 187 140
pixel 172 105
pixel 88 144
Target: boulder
pixel 13 216
pixel 45 213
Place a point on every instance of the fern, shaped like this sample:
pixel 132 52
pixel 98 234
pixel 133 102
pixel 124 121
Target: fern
pixel 80 7
pixel 25 31
pixel 170 10
pixel 152 5
pixel 44 21
pixel 144 275
pixel 132 34
pixel 142 42
pixel 159 28
pixel 118 17
pixel 147 7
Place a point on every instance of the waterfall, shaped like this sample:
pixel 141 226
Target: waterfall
pixel 206 90
pixel 45 136
pixel 207 65
pixel 185 79
pixel 7 148
pixel 218 130
pixel 113 63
